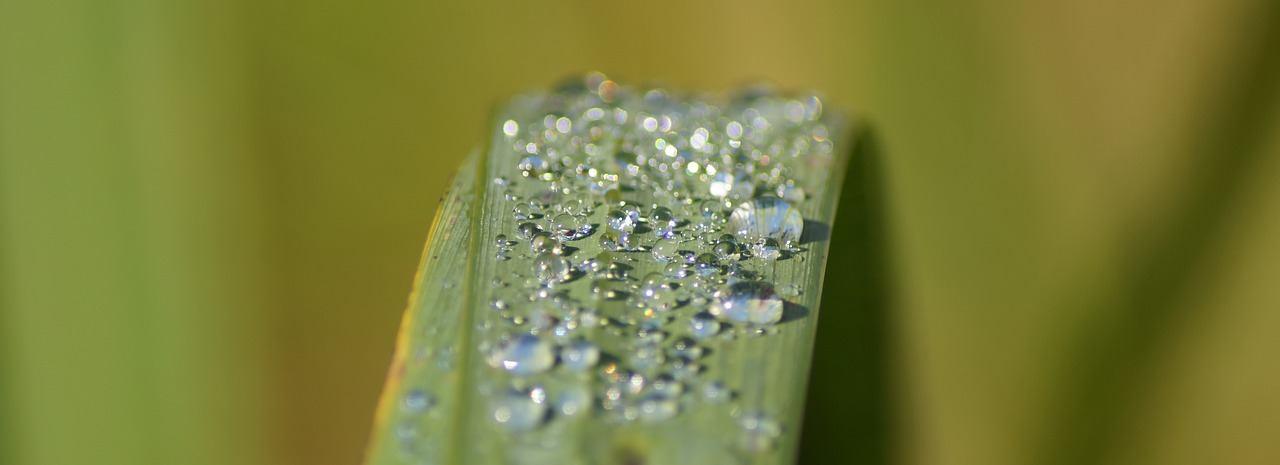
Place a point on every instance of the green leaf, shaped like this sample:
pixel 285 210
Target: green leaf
pixel 737 396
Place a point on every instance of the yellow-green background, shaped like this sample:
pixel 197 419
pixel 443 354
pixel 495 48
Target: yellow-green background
pixel 211 210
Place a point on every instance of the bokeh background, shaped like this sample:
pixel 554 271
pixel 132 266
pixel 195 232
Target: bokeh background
pixel 211 211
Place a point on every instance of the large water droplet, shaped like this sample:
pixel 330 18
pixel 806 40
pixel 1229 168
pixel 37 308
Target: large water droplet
pixel 524 355
pixel 748 302
pixel 767 218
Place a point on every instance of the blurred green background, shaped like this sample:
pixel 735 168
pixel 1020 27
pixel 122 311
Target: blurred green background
pixel 211 211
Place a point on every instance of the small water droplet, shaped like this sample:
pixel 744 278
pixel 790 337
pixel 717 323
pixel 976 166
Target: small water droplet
pixel 665 249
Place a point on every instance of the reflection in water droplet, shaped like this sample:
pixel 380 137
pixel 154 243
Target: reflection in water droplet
pixel 748 302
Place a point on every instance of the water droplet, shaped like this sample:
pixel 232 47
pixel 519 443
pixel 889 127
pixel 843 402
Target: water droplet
pixel 522 211
pixel 662 221
pixel 767 218
pixel 532 166
pixel 501 240
pixel 791 193
pixel 704 326
pixel 418 401
pixel 706 264
pixel 542 242
pixel 579 355
pixel 551 268
pixel 524 355
pixel 518 411
pixel 716 392
pixel 573 400
pixel 620 221
pixel 727 251
pixel 767 249
pixel 655 408
pixel 686 348
pixel 788 290
pixel 665 249
pixel 510 128
pixel 565 225
pixel 748 302
pixel 733 186
pixel 646 357
pixel 610 241
pixel 527 229
pixel 758 432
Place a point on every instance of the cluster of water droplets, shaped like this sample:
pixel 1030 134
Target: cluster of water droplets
pixel 642 230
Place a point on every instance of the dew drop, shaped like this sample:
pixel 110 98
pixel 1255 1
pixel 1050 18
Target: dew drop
pixel 417 401
pixel 665 249
pixel 573 400
pixel 704 326
pixel 579 355
pixel 662 221
pixel 551 268
pixel 519 411
pixel 758 432
pixel 524 355
pixel 655 408
pixel 748 302
pixel 532 166
pixel 767 218
pixel 565 225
